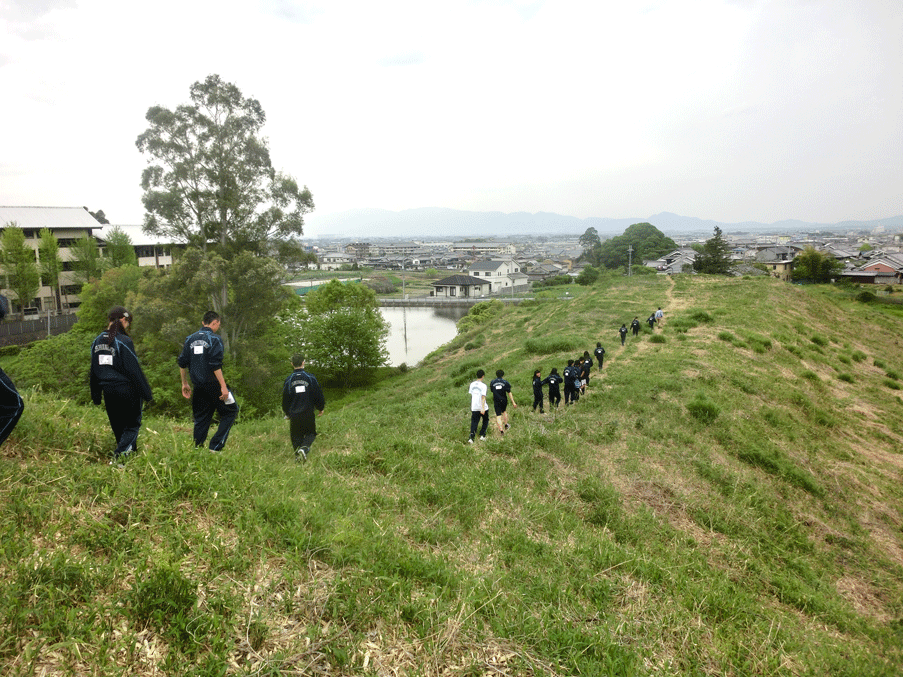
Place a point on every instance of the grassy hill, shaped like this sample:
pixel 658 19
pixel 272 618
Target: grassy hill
pixel 726 500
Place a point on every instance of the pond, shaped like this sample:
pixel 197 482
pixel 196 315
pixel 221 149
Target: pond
pixel 415 332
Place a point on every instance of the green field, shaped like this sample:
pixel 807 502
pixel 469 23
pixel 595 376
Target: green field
pixel 726 500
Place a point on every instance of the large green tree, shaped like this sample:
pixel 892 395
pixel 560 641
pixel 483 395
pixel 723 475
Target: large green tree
pixel 341 332
pixel 647 241
pixel 210 182
pixel 20 266
pixel 815 266
pixel 715 256
pixel 87 262
pixel 120 251
pixel 592 246
pixel 51 263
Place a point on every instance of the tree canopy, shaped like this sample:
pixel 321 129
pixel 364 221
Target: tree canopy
pixel 715 256
pixel 51 262
pixel 120 251
pixel 341 331
pixel 210 178
pixel 648 243
pixel 210 183
pixel 20 266
pixel 815 266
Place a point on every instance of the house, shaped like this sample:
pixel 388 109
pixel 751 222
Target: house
pixel 334 260
pixel 461 286
pixel 501 274
pixel 885 270
pixel 677 261
pixel 545 271
pixel 68 224
pixel 778 260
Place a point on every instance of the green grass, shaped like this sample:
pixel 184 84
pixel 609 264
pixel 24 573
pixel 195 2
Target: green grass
pixel 725 502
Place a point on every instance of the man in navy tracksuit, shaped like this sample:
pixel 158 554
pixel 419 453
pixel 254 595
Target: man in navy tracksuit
pixel 301 394
pixel 11 404
pixel 202 359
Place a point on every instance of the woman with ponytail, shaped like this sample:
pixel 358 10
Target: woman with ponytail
pixel 116 375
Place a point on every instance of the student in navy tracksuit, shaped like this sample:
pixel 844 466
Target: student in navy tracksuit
pixel 116 375
pixel 570 379
pixel 202 359
pixel 501 393
pixel 554 382
pixel 11 404
pixel 301 394
pixel 599 352
pixel 537 391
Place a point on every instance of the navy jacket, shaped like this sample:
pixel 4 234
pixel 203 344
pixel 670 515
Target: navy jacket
pixel 499 388
pixel 116 364
pixel 301 393
pixel 202 354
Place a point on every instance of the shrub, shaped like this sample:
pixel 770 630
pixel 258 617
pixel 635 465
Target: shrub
pixel 858 356
pixel 553 344
pixel 865 297
pixel 879 363
pixel 726 336
pixel 656 338
pixel 703 410
pixel 890 373
pixel 819 340
pixel 843 376
pixel 893 385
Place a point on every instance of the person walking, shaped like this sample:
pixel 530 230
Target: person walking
pixel 501 393
pixel 478 408
pixel 623 333
pixel 651 321
pixel 599 352
pixel 301 395
pixel 659 315
pixel 635 326
pixel 116 377
pixel 537 391
pixel 554 381
pixel 11 403
pixel 201 359
pixel 584 372
pixel 570 378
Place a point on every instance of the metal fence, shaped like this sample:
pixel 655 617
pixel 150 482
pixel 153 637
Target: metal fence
pixel 20 332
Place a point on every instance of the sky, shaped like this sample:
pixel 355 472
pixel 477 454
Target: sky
pixel 730 110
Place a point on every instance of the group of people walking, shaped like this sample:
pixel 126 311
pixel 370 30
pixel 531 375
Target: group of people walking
pixel 118 380
pixel 574 378
pixel 654 318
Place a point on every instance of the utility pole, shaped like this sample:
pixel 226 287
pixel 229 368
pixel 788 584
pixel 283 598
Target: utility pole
pixel 629 260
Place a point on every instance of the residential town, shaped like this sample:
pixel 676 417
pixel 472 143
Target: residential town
pixel 477 267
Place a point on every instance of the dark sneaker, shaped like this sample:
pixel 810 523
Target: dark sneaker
pixel 301 454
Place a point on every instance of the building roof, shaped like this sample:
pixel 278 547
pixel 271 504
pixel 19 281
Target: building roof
pixel 486 265
pixel 74 218
pixel 460 281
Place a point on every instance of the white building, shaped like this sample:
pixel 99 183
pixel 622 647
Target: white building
pixel 68 224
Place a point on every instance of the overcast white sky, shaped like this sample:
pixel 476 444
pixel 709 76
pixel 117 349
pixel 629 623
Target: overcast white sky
pixel 727 110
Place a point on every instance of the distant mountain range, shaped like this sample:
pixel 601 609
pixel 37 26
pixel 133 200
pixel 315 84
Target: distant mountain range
pixel 439 222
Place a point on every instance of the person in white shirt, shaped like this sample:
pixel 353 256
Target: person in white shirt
pixel 478 408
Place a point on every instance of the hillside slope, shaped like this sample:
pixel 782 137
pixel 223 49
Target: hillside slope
pixel 725 500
